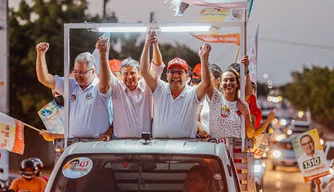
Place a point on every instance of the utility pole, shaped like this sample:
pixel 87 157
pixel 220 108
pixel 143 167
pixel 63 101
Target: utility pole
pixel 4 80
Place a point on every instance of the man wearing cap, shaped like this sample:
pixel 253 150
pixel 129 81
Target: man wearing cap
pixel 132 99
pixel 175 104
pixel 115 67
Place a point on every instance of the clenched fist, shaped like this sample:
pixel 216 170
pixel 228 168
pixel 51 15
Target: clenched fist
pixel 42 47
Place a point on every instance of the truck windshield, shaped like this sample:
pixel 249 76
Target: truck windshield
pixel 136 172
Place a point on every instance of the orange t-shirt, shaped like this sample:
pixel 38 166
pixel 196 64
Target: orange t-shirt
pixel 34 185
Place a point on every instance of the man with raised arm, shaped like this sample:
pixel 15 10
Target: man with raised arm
pixel 89 95
pixel 175 104
pixel 131 97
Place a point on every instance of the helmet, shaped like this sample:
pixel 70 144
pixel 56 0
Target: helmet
pixel 28 169
pixel 38 165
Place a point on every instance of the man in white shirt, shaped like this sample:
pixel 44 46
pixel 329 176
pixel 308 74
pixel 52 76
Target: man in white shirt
pixel 131 98
pixel 89 95
pixel 317 157
pixel 175 104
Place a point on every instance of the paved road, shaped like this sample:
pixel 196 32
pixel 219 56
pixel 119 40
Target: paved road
pixel 284 179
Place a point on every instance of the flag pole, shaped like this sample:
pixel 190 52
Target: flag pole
pixel 31 127
pixel 237 55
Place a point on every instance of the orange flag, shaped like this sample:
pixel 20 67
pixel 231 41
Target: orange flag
pixel 11 134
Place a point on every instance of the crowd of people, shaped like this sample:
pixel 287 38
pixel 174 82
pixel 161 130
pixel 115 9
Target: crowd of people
pixel 128 97
pixel 125 98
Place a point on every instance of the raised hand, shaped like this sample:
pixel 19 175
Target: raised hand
pixel 245 61
pixel 271 115
pixel 42 47
pixel 204 51
pixel 242 108
pixel 102 45
pixel 151 38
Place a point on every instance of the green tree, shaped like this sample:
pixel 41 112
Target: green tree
pixel 313 89
pixel 29 25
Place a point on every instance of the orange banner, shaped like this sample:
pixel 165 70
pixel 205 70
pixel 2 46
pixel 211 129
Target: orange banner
pixel 228 38
pixel 11 134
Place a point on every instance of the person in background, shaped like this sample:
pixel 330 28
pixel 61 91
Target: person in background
pixel 198 179
pixel 39 166
pixel 28 180
pixel 204 109
pixel 115 67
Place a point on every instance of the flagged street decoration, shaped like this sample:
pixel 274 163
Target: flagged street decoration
pixel 11 134
pixel 220 35
pixel 227 4
pixel 310 155
pixel 228 38
pixel 252 53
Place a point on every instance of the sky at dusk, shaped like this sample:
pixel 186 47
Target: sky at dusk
pixel 293 33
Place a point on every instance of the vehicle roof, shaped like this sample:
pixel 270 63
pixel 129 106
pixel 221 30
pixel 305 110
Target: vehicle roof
pixel 301 123
pixel 154 146
pixel 330 143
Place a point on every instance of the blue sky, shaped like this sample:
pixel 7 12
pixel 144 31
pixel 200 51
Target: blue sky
pixel 293 33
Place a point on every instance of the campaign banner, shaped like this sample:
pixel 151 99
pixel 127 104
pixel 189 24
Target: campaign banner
pixel 221 35
pixel 11 134
pixel 310 155
pixel 52 116
pixel 226 4
pixel 221 15
pixel 228 38
pixel 252 53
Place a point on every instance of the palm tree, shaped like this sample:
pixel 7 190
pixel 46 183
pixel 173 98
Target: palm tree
pixel 104 8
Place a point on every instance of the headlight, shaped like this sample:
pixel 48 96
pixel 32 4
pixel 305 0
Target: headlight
pixel 257 168
pixel 331 170
pixel 289 132
pixel 277 154
pixel 280 137
pixel 263 164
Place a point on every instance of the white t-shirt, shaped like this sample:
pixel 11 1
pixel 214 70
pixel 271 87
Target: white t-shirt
pixel 89 116
pixel 205 115
pixel 174 118
pixel 224 121
pixel 318 153
pixel 132 109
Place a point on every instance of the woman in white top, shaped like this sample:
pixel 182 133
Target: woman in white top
pixel 226 109
pixel 204 109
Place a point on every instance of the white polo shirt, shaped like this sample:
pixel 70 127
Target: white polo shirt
pixel 205 115
pixel 132 109
pixel 89 115
pixel 174 118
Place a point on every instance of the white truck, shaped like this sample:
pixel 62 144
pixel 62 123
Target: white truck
pixel 141 165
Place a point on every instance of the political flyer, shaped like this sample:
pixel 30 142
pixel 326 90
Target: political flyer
pixel 261 144
pixel 310 155
pixel 52 116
